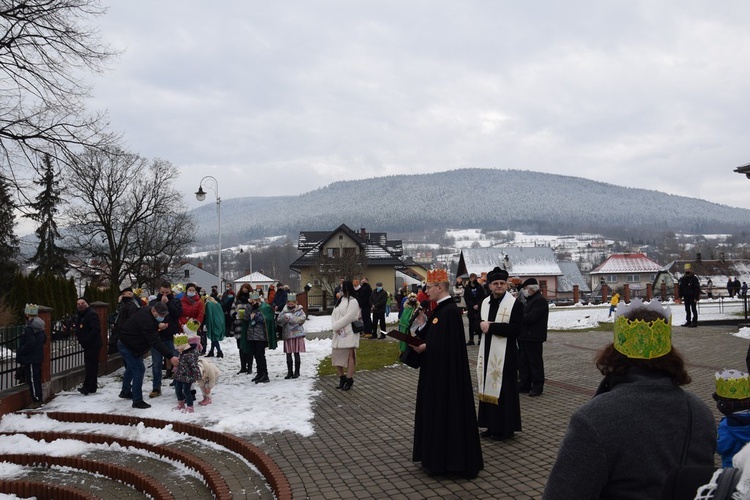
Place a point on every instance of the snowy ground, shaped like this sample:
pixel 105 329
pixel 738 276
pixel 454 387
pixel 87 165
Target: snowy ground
pixel 242 407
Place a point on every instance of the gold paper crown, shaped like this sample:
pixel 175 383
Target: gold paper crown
pixel 437 276
pixel 31 310
pixel 639 339
pixel 732 384
pixel 192 325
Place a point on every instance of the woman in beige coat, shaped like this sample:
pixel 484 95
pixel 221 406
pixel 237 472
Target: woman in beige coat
pixel 345 341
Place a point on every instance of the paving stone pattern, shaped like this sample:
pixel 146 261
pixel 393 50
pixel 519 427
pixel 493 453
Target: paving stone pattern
pixel 362 443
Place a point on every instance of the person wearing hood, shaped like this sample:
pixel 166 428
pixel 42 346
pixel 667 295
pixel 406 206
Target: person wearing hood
pixel 30 353
pixel 89 334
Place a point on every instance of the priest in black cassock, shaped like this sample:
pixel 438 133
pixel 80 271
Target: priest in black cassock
pixel 445 423
pixel 501 321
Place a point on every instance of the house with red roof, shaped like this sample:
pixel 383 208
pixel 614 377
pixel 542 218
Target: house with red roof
pixel 633 269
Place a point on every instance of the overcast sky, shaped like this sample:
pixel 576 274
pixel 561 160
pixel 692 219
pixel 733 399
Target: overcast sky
pixel 279 98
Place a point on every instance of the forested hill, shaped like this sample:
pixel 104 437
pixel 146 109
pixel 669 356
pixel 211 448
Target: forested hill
pixel 483 198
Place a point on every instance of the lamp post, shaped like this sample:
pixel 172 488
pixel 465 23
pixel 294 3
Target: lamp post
pixel 200 195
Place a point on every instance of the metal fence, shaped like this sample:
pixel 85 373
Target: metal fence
pixel 66 352
pixel 10 337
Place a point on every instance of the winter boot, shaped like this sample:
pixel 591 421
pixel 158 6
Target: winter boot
pixel 188 409
pixel 262 379
pixel 342 381
pixel 220 354
pixel 243 363
pixel 296 365
pixel 180 406
pixel 348 384
pixel 206 401
pixel 289 373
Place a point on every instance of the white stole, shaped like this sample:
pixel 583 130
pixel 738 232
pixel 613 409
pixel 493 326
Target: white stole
pixel 491 383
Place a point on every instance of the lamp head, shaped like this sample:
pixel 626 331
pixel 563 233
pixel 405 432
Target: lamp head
pixel 200 195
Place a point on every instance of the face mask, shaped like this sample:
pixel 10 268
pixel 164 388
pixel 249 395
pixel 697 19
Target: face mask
pixel 191 294
pixel 160 318
pixel 379 288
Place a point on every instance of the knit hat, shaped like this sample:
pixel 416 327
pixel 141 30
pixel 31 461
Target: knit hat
pixel 497 274
pixel 530 281
pixel 643 331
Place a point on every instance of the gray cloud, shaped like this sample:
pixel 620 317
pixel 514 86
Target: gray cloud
pixel 282 98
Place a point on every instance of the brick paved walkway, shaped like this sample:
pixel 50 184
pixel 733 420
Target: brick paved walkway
pixel 362 442
pixel 363 438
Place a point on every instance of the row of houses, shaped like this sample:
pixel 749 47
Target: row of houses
pixel 327 255
pixel 385 263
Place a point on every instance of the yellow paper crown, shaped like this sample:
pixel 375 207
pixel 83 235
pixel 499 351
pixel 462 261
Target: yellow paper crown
pixel 192 325
pixel 732 384
pixel 180 339
pixel 639 339
pixel 437 276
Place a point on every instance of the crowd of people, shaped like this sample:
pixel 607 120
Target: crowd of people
pixel 640 414
pixel 175 327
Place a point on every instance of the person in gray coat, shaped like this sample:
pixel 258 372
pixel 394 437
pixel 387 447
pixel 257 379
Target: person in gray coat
pixel 641 424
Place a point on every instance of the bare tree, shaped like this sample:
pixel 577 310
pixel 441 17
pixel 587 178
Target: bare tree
pixel 345 263
pixel 45 46
pixel 129 221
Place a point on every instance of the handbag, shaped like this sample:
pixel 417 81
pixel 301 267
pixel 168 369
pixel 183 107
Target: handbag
pixel 358 326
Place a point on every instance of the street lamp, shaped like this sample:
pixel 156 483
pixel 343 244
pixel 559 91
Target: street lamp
pixel 200 195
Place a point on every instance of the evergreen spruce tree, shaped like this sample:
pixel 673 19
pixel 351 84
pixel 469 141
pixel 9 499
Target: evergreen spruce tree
pixel 49 257
pixel 8 240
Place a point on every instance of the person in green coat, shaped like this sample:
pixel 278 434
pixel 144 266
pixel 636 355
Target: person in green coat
pixel 215 326
pixel 407 315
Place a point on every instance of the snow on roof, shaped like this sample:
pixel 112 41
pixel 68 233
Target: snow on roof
pixel 627 263
pixel 522 261
pixel 571 276
pixel 255 277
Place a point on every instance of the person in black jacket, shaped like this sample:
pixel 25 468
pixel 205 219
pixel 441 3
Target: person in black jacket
pixel 532 337
pixel 137 336
pixel 690 293
pixel 30 353
pixel 473 296
pixel 364 296
pixel 378 299
pixel 172 319
pixel 89 334
pixel 127 306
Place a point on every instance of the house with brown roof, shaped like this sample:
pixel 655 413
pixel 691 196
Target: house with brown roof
pixel 344 253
